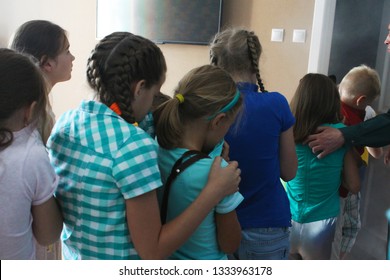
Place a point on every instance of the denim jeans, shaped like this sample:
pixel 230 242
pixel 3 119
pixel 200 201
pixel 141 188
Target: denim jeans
pixel 263 244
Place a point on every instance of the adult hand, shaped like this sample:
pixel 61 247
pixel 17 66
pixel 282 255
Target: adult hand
pixel 225 180
pixel 325 141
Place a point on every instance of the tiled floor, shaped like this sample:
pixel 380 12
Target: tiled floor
pixel 371 241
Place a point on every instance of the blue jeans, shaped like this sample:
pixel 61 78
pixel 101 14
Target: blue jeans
pixel 263 244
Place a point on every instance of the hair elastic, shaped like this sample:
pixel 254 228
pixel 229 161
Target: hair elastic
pixel 114 106
pixel 228 106
pixel 180 97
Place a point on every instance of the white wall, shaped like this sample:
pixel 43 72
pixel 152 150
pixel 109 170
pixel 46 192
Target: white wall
pixel 282 64
pixel 78 18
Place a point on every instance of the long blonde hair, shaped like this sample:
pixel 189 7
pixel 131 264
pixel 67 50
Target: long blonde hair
pixel 201 93
pixel 237 51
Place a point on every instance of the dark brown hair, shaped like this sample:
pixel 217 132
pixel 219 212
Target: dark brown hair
pixel 120 60
pixel 40 38
pixel 21 83
pixel 316 101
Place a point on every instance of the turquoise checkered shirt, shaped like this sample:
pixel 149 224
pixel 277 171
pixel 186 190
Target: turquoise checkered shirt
pixel 101 161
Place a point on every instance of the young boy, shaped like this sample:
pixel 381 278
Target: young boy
pixel 358 89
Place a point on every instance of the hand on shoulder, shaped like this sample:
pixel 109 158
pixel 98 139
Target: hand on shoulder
pixel 325 141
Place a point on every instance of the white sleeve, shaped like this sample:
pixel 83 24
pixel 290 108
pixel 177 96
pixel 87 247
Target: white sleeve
pixel 40 177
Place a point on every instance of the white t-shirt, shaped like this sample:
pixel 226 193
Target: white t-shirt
pixel 26 179
pixel 370 113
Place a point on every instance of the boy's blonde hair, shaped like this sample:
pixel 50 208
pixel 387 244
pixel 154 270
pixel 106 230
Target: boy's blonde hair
pixel 360 80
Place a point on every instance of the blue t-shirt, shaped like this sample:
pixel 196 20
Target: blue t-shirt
pixel 254 143
pixel 314 192
pixel 203 243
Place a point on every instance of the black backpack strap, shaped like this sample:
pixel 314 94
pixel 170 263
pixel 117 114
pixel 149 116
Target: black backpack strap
pixel 180 165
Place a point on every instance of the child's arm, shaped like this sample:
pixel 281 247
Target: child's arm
pixel 47 222
pixel 351 179
pixel 155 241
pixel 287 155
pixel 375 152
pixel 228 232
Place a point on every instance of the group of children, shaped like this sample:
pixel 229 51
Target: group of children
pixel 194 177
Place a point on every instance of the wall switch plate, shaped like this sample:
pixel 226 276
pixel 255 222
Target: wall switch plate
pixel 277 35
pixel 299 36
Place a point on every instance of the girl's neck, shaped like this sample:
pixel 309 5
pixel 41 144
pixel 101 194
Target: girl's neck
pixel 194 136
pixel 49 85
pixel 244 77
pixel 16 121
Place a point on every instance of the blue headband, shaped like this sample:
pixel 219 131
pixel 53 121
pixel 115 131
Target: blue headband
pixel 228 106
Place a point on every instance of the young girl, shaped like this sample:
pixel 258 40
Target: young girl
pixel 108 165
pixel 205 105
pixel 313 193
pixel 263 144
pixel 48 44
pixel 28 208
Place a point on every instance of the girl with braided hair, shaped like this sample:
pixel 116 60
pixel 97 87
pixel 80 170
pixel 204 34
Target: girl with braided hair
pixel 263 144
pixel 107 164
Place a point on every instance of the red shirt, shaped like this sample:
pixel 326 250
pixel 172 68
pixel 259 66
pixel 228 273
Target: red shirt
pixel 352 116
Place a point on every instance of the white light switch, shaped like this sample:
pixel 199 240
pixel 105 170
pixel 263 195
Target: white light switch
pixel 277 35
pixel 299 36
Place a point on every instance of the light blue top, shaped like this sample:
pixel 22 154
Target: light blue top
pixel 101 160
pixel 203 243
pixel 313 193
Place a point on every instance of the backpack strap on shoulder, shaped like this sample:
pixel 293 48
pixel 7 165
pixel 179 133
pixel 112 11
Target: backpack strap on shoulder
pixel 187 159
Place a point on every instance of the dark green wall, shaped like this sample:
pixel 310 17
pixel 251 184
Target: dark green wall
pixel 356 33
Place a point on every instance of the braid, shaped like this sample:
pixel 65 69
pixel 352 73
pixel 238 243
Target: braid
pixel 121 88
pixel 131 60
pixel 254 59
pixel 96 63
pixel 93 75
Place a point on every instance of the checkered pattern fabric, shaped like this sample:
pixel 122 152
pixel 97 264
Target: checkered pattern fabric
pixel 102 161
pixel 352 224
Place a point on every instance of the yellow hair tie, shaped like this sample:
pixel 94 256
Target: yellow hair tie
pixel 180 97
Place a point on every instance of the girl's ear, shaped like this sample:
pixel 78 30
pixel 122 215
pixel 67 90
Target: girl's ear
pixel 217 121
pixel 46 64
pixel 29 113
pixel 139 86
